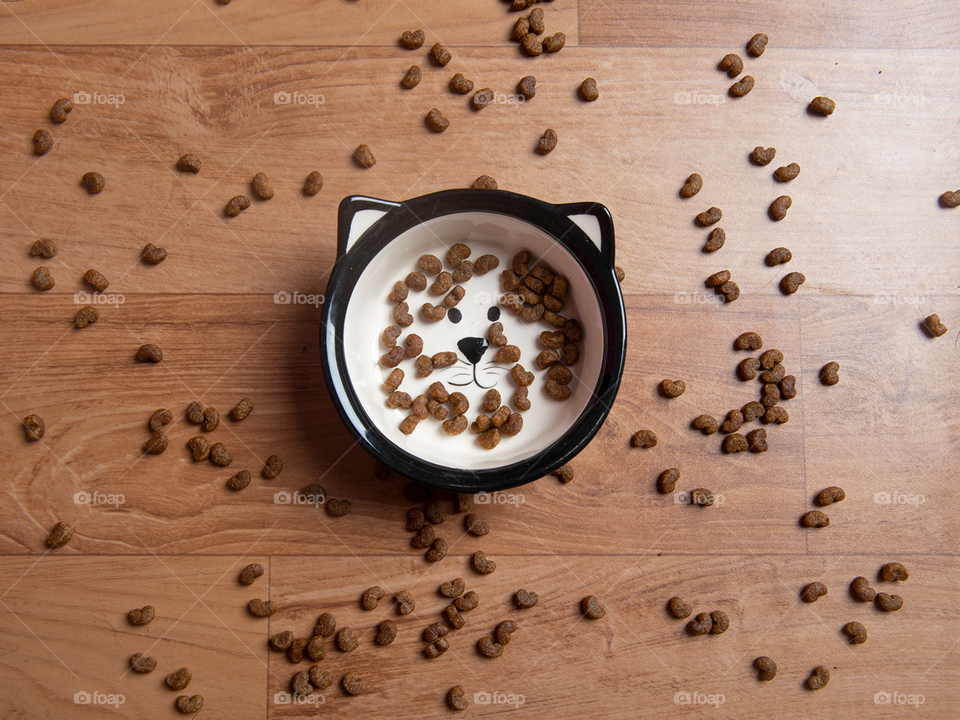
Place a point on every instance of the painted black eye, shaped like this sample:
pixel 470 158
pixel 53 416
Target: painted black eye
pixel 454 315
pixel 493 314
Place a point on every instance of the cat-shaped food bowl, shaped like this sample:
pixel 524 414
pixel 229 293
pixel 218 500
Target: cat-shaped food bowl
pixel 380 243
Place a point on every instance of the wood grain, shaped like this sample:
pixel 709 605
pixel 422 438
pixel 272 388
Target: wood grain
pixel 865 228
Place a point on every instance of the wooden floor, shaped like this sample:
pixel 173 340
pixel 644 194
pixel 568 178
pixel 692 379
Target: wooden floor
pixel 865 228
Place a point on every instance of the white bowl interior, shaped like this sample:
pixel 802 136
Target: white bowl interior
pixel 369 312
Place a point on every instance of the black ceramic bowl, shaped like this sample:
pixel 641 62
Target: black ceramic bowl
pixel 380 242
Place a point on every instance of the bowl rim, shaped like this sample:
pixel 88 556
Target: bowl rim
pixel 554 220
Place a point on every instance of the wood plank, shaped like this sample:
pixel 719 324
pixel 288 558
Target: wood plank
pixel 728 25
pixel 249 24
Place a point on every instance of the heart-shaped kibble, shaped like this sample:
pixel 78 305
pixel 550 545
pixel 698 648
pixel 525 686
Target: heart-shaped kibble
pixel 180 679
pixel 757 44
pixel 857 633
pixel 779 207
pixel 893 572
pixel 819 678
pixel 141 616
pixel 520 376
pixel 592 608
pixel 700 625
pixel 762 156
pixel 300 684
pixel 433 313
pixel 489 648
pixel 338 508
pixel 815 519
pixel 483 564
pixel 890 603
pixel 679 609
pixel 731 64
pixel 766 668
pixel 345 640
pixel 739 89
pixel 667 481
pixel 262 608
pixel 386 632
pixel 791 282
pixel 525 599
pixel 412 39
pixel 424 538
pixel 371 597
pixel 353 685
pixel 950 199
pixel 861 590
pixel 437 648
pixel 142 664
pixel 437 551
pixel 190 705
pixel 468 602
pixel 399 292
pixel 730 291
pixel 402 316
pixel 390 335
pixel 707 424
pixel 830 373
pixel 453 589
pixel 709 217
pixel 813 591
pixel 406 602
pixel 505 630
pixel 673 388
pixel 475 526
pixel 934 326
pixel 282 641
pixel 495 335
pixel 434 631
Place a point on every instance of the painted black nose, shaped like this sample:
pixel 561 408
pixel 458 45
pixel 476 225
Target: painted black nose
pixel 473 348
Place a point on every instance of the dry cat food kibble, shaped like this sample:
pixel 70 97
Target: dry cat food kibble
pixel 549 140
pixel 710 217
pixel 58 113
pixel 153 254
pixel 528 86
pixel 42 142
pixel 453 588
pixel 752 410
pixel 440 54
pixel 180 679
pixel 261 608
pixel 707 424
pixel 338 508
pixel 520 29
pixel 525 600
pixel 326 625
pixel 300 684
pixel 693 185
pixel 437 648
pixel 219 455
pixel 371 597
pixel 757 440
pixel 762 156
pixel 735 443
pixel 731 64
pixel 757 44
pixel 413 77
pixel 261 186
pixel 861 590
pixel 272 467
pixel 482 564
pixel 199 447
pixel 949 199
pixel 156 444
pixel 822 106
pixel 829 373
pixel 434 631
pixel 720 622
pixel 353 685
pixel 813 591
pixel 236 205
pixel 424 538
pixel 406 603
pixel 482 98
pixel 484 182
pixel 412 39
pixel 673 388
pixel 436 121
pixel 437 551
pixel 741 88
pixel 787 172
pixel 468 602
pixel 457 698
pixel 242 409
pixel 532 45
pixel 748 341
pixel 766 668
pixel 815 519
pixel 791 282
pixel 779 207
pixel 320 679
pixel 475 526
pixel 45 247
pixel 461 84
pixel 818 678
pixel 250 573
pixel 42 279
pixel 142 616
pixel 933 326
pixel 778 256
pixel 188 163
pixel 505 630
pixel 589 90
pixel 564 473
pixel 151 353
pixel 193 703
pixel 644 439
pixel 700 625
pixel 733 422
pixel 701 497
pixel 364 156
pixel 386 632
pixel 857 633
pixel 890 603
pixel 96 280
pixel 591 607
pixel 313 184
pixel 489 648
pixel 830 495
pixel 94 182
pixel 679 609
pixel 715 241
pixel 59 535
pixel 346 641
pixel 894 572
pixel 667 482
pixel 159 419
pixel 142 664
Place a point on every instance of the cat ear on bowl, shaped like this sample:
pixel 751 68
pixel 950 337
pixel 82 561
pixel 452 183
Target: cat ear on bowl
pixel 358 214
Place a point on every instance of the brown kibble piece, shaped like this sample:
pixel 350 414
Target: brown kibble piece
pixel 822 106
pixel 326 625
pixel 153 254
pixel 434 631
pixel 483 264
pixel 710 217
pixel 94 182
pixel 250 573
pixel 42 142
pixel 731 64
pixel 42 279
pixel 320 679
pixel 673 388
pixel 762 156
pixel 482 564
pixel 555 43
pixel 386 632
pixel 58 113
pixel 787 172
pixel 667 482
pixel 757 44
pixel 415 281
pixel 338 508
pixel 194 703
pixel 152 353
pixel 199 447
pixel 894 572
pixel 159 419
pixel 236 205
pixel 549 140
pixel 591 607
pixel 180 679
pixel 707 424
pixel 433 313
pixel 715 241
pixel 454 617
pixel 791 282
pixel 96 280
pixel 43 246
pixel 482 98
pixel 398 295
pixel 440 54
pixel 486 263
pixel 405 602
pixel 489 439
pixel 779 207
pixel 195 413
pixel 702 497
pixel 371 597
pixel 748 341
pixel 296 651
pixel 735 443
pixel 679 609
pixel 818 678
pixel 365 156
pixel 720 622
pixel 532 45
pixel 830 495
pixel 468 602
pixel 815 519
pixel 313 184
pixel 589 90
pixel 453 588
pixel 211 416
pixel 412 79
pixel 520 29
pixel 393 381
pixel 188 163
pixel 300 684
pixel 890 603
pixel 757 440
pixel 829 373
pixel 644 439
pixel 59 535
pixel 861 590
pixel 528 86
pixel 733 422
pixel 778 256
pixel 353 685
pixel 457 699
pixel 455 425
pixel 142 664
pixel 486 646
pixel 857 633
pixel 718 279
pixel 143 616
pixel 461 84
pixel 156 444
pixel 436 121
pixel 520 376
pixel 700 625
pixel 741 88
pixel 219 455
pixel 536 21
pixel 776 415
pixel 752 410
pixel 693 185
pixel 505 630
pixel 933 326
pixel 412 39
pixel 345 640
pixel 813 591
pixel 949 199
pixel 525 600
pixel 766 668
